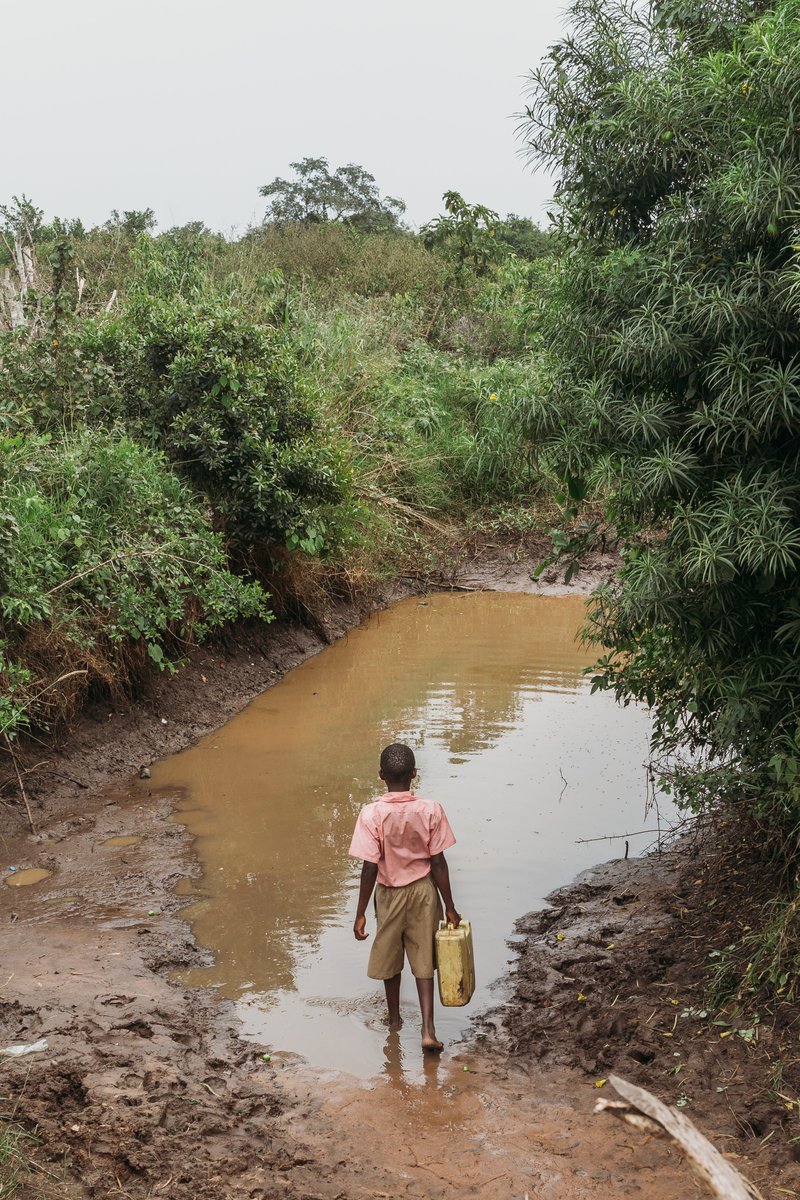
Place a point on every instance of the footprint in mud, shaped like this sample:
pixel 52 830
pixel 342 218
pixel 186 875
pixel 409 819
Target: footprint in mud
pixel 137 1026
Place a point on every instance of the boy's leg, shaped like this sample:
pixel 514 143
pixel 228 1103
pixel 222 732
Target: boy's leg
pixel 429 1038
pixel 387 955
pixel 392 987
pixel 423 918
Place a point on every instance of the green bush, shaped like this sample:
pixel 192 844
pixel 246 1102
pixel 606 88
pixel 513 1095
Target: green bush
pixel 226 400
pixel 460 418
pixel 52 383
pixel 179 402
pixel 672 343
pixel 336 261
pixel 104 550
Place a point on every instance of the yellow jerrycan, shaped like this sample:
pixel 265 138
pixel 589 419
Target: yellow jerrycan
pixel 455 963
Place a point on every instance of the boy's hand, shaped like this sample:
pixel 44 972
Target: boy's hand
pixel 453 917
pixel 360 929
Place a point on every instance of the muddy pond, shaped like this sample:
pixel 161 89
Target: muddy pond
pixel 488 689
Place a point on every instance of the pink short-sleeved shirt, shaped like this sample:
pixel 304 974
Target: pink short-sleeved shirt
pixel 401 832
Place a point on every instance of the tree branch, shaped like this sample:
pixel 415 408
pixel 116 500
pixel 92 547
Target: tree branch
pixel 649 1115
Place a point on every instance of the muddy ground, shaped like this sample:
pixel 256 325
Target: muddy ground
pixel 614 978
pixel 145 1088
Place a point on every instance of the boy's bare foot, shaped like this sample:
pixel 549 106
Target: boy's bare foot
pixel 394 1022
pixel 431 1044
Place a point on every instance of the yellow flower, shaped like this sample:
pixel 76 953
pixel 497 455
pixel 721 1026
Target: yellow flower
pixel 493 396
pixel 745 87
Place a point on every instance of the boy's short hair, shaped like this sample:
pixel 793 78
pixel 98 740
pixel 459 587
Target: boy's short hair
pixel 397 761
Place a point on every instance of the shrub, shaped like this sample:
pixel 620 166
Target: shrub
pixel 337 261
pixel 107 555
pixel 226 400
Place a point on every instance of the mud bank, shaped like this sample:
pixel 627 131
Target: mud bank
pixel 142 1084
pixel 613 977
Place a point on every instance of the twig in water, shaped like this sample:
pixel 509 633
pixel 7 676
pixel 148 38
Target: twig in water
pixel 615 837
pixel 621 837
pixel 564 788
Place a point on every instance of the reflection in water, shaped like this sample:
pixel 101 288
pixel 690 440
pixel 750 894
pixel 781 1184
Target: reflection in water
pixel 401 1067
pixel 488 690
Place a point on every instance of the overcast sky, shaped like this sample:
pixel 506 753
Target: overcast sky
pixel 187 106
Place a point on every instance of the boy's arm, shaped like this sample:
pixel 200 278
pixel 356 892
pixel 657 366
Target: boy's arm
pixel 369 874
pixel 441 877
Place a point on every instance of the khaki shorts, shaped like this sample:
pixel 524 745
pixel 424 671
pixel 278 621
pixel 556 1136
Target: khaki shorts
pixel 408 918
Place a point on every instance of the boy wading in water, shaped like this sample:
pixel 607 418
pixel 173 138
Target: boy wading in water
pixel 402 840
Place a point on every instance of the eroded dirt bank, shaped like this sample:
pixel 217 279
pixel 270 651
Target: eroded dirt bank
pixel 614 977
pixel 145 1088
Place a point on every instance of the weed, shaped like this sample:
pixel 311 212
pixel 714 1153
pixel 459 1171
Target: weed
pixel 21 1177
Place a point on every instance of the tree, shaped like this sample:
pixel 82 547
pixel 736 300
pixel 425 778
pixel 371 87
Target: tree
pixel 466 234
pixel 131 223
pixel 349 195
pixel 21 218
pixel 523 237
pixel 671 382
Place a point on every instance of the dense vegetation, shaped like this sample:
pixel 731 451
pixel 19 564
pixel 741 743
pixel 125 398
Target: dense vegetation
pixel 182 415
pixel 670 377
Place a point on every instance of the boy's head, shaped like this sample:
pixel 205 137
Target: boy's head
pixel 397 764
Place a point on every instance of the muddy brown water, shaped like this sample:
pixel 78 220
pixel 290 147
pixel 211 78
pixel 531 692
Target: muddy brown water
pixel 489 690
pixel 28 877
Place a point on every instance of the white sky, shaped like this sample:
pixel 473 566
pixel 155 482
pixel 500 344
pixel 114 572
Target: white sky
pixel 187 106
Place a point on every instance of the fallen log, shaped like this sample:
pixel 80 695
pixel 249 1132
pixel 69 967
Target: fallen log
pixel 649 1115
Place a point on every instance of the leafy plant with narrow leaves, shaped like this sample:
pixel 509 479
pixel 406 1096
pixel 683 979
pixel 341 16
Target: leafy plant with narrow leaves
pixel 671 332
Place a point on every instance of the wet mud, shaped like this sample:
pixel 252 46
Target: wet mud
pixel 144 1088
pixel 612 977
